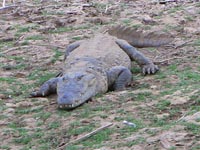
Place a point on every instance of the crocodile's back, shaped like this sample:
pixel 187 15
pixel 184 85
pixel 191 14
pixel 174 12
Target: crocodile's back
pixel 103 48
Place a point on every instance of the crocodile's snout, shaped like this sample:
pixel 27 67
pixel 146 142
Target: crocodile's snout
pixel 75 90
pixel 69 101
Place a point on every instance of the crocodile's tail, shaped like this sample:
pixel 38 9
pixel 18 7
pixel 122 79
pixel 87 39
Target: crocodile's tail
pixel 140 39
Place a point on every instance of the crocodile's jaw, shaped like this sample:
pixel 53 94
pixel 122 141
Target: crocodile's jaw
pixel 74 90
pixel 70 103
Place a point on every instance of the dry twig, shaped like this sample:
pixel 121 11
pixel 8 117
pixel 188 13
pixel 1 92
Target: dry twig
pixel 7 7
pixel 162 61
pixel 181 117
pixel 86 136
pixel 28 46
pixel 180 45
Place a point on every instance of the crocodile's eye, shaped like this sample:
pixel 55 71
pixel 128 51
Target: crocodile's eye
pixel 65 79
pixel 79 77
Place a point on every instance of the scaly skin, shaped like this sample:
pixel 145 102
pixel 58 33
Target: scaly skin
pixel 93 67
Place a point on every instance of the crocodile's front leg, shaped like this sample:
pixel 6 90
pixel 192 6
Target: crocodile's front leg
pixel 118 78
pixel 49 87
pixel 145 63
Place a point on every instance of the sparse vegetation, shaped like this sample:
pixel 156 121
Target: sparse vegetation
pixel 31 52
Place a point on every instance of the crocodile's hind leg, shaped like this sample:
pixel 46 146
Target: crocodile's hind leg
pixel 145 63
pixel 118 78
pixel 71 47
pixel 49 87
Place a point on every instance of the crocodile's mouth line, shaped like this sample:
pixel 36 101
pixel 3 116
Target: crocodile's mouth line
pixel 70 106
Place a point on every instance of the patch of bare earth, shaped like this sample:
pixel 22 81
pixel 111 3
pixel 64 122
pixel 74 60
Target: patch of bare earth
pixel 33 37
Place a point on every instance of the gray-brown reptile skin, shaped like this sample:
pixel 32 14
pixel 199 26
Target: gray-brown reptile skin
pixel 92 67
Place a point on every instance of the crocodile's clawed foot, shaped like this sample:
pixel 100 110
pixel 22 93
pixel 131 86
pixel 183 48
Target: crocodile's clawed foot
pixel 149 69
pixel 37 94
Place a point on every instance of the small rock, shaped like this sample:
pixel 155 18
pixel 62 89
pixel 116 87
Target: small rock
pixel 60 22
pixel 133 138
pixel 160 116
pixel 9 112
pixel 24 104
pixel 171 139
pixel 182 21
pixel 193 118
pixel 11 105
pixel 98 20
pixel 166 143
pixel 3 123
pixel 152 140
pixel 46 29
pixel 19 75
pixel 42 100
pixel 137 147
pixel 85 121
pixel 64 22
pixel 2 96
pixel 8 67
pixel 153 87
pixel 192 30
pixel 30 122
pixel 146 19
pixel 192 10
pixel 177 98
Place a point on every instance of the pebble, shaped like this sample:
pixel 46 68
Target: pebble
pixel 11 105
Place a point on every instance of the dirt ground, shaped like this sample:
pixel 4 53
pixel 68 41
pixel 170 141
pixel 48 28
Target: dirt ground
pixel 165 107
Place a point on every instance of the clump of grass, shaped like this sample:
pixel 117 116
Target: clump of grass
pixel 54 125
pixel 57 54
pixel 194 128
pixel 175 9
pixel 163 105
pixel 35 38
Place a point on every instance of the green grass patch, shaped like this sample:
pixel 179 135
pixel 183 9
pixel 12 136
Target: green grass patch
pixel 189 18
pixel 129 144
pixel 54 125
pixel 69 29
pixel 57 54
pixel 85 112
pixel 5 45
pixel 61 30
pixel 175 9
pixel 169 27
pixel 80 130
pixel 194 128
pixel 40 76
pixel 25 28
pixel 43 115
pixel 160 75
pixel 5 147
pixel 136 26
pixel 50 13
pixel 141 97
pixel 8 80
pixel 189 77
pixel 18 66
pixel 76 38
pixel 28 110
pixel 163 105
pixel 196 147
pixel 159 122
pixel 98 139
pixel 196 42
pixel 126 21
pixel 23 140
pixel 35 37
pixel 135 70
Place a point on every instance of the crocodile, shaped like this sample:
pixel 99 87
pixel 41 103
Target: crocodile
pixel 102 63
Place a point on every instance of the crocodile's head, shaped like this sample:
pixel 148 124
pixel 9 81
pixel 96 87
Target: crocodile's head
pixel 75 89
